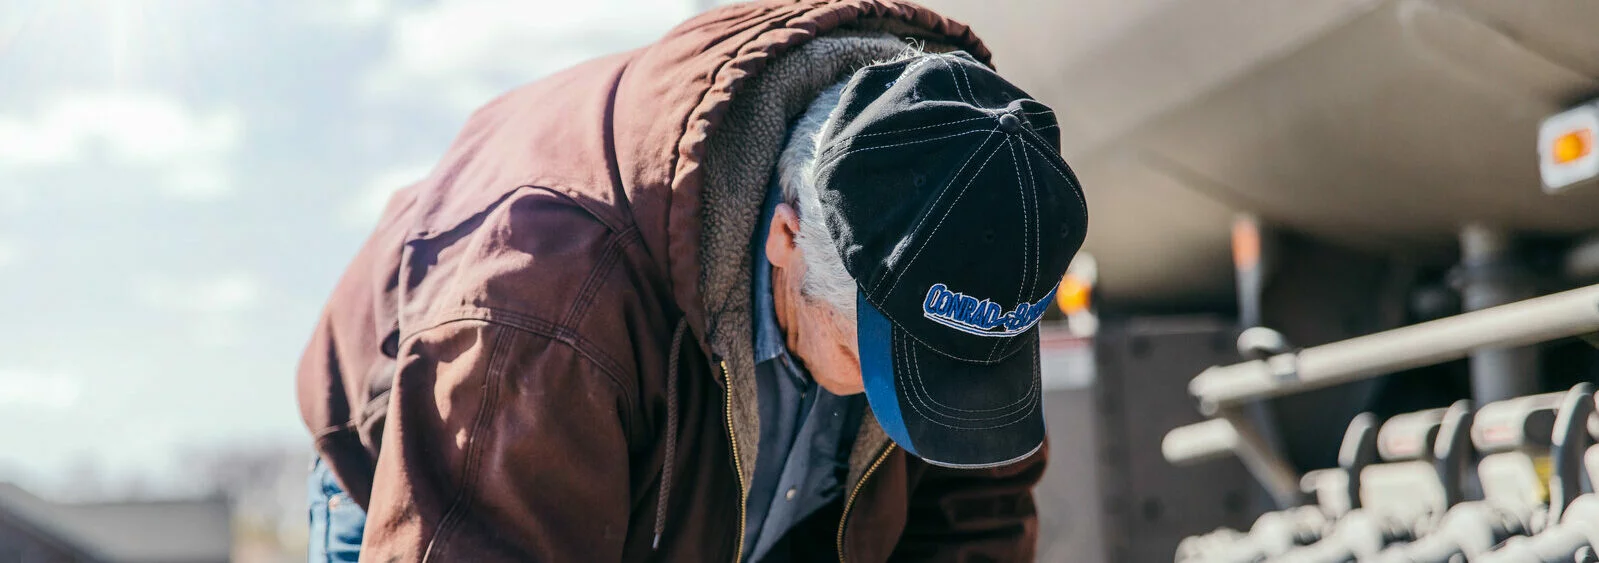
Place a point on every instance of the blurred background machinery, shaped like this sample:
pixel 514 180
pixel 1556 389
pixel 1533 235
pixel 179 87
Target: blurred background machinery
pixel 1421 497
pixel 1288 189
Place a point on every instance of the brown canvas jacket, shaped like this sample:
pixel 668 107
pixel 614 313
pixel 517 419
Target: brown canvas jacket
pixel 555 323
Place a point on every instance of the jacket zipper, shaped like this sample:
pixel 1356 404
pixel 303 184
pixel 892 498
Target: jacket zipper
pixel 738 468
pixel 850 502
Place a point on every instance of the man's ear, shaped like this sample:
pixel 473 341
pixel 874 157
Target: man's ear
pixel 782 248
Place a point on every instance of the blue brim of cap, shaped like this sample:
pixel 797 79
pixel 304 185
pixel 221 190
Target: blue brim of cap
pixel 950 412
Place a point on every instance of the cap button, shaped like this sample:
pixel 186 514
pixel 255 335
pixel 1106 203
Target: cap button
pixel 1010 123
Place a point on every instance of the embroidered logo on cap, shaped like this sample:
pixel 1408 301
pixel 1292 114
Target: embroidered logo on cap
pixel 981 317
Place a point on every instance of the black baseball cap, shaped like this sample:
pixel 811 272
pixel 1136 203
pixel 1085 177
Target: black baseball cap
pixel 951 206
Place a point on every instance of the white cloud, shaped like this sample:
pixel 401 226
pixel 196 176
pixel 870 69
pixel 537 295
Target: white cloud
pixel 10 253
pixel 363 210
pixel 134 129
pixel 464 52
pixel 351 13
pixel 215 311
pixel 20 388
pixel 222 294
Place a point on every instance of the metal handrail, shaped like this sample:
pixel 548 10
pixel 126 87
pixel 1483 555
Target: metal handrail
pixel 1560 315
pixel 1222 389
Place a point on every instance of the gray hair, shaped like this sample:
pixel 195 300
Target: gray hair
pixel 826 280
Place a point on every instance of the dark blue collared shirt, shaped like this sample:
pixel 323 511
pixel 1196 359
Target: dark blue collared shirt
pixel 806 432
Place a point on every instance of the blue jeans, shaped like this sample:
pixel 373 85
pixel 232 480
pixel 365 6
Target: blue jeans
pixel 337 522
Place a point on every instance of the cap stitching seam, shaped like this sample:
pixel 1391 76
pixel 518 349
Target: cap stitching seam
pixel 915 372
pixel 965 97
pixel 834 158
pixel 1078 191
pixel 940 196
pixel 1021 287
pixel 947 123
pixel 1038 227
pixel 970 97
pixel 951 207
pixel 1069 178
pixel 934 349
pixel 1020 415
pixel 931 415
pixel 930 401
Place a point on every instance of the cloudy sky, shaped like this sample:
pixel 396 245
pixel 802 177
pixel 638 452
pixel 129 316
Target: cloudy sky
pixel 181 183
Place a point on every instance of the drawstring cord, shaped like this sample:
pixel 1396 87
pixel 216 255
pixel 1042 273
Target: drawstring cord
pixel 671 434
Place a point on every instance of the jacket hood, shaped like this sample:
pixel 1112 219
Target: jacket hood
pixel 669 148
pixel 653 113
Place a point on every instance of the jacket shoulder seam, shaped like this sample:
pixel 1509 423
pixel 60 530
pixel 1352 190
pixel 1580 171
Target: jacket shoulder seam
pixel 539 327
pixel 499 356
pixel 610 254
pixel 487 406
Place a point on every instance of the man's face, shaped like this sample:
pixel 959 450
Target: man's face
pixel 816 333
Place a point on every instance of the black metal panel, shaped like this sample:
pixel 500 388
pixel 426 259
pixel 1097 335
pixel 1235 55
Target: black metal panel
pixel 1071 522
pixel 1149 505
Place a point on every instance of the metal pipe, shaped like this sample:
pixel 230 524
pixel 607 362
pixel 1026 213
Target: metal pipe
pixel 1232 433
pixel 1569 313
pixel 1489 276
pixel 1199 442
pixel 1273 472
pixel 1582 261
pixel 1252 265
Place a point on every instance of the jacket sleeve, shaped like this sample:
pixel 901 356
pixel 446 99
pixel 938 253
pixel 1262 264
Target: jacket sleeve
pixel 973 515
pixel 502 445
